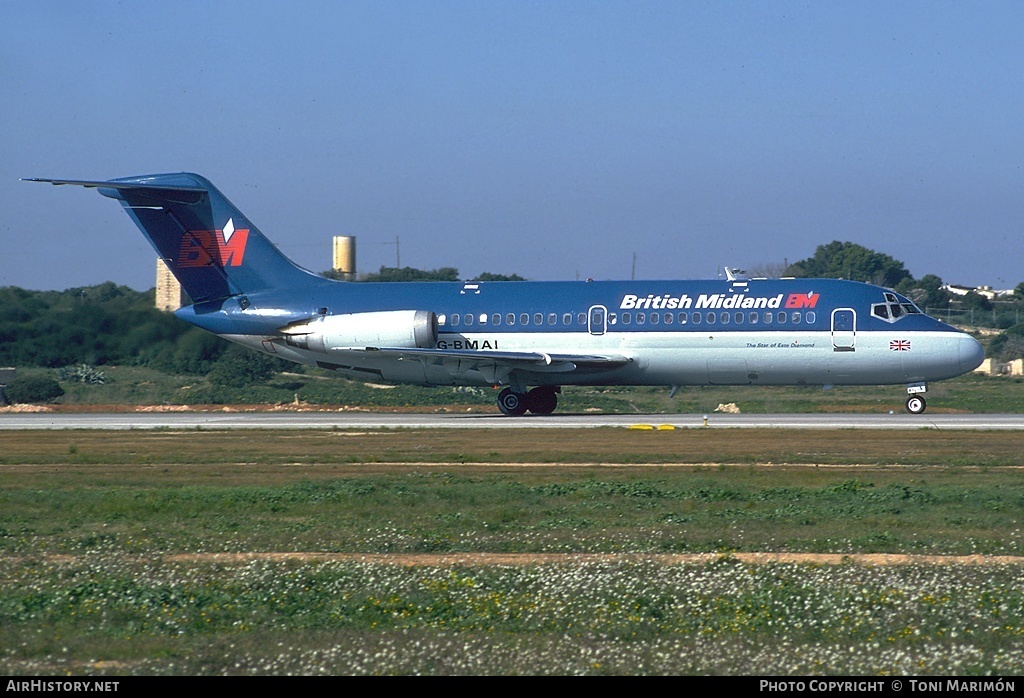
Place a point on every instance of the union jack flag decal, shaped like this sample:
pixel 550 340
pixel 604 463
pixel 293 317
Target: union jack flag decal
pixel 899 345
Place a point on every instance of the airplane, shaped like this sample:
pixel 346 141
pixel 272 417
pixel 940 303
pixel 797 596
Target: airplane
pixel 532 337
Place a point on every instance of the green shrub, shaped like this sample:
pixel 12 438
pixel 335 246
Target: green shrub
pixel 32 389
pixel 82 373
pixel 238 368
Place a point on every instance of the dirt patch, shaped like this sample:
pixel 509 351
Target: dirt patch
pixel 523 559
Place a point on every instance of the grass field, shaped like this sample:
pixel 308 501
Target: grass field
pixel 106 543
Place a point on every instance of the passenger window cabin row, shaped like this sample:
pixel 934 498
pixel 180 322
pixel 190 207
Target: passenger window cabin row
pixel 696 317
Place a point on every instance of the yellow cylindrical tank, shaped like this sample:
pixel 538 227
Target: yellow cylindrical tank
pixel 345 256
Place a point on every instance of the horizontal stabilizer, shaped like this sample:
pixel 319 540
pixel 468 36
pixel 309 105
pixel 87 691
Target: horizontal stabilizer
pixel 182 194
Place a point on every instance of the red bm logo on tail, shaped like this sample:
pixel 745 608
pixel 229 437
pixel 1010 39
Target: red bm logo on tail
pixel 802 300
pixel 223 248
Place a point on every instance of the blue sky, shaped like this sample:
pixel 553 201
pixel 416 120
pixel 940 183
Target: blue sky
pixel 550 139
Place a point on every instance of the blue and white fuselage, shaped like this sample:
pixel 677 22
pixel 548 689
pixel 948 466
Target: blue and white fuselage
pixel 539 334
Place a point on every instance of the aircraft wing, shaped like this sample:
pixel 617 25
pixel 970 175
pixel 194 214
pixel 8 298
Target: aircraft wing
pixel 444 365
pixel 521 359
pixel 524 360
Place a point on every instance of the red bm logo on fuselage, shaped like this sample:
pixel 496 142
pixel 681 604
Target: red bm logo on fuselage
pixel 802 300
pixel 223 248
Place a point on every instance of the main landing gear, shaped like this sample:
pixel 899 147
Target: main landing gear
pixel 915 400
pixel 540 400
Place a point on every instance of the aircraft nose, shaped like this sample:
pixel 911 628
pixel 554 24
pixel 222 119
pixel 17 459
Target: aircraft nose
pixel 971 353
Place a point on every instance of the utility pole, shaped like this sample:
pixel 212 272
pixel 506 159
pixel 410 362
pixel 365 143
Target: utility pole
pixel 398 257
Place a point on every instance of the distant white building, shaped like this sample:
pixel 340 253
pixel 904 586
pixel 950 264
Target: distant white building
pixel 986 291
pixel 991 367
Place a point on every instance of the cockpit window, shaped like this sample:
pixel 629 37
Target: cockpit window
pixel 894 308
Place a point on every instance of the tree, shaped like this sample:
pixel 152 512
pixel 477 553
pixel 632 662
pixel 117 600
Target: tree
pixel 488 276
pixel 848 260
pixel 927 292
pixel 1009 344
pixel 1012 349
pixel 96 325
pixel 412 274
pixel 975 301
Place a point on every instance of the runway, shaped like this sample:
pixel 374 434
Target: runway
pixel 374 420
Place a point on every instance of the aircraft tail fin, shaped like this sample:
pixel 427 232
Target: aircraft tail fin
pixel 208 244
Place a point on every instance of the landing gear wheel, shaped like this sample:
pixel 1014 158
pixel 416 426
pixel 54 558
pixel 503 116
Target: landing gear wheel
pixel 916 404
pixel 542 400
pixel 511 403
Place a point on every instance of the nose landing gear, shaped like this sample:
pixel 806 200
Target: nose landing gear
pixel 915 402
